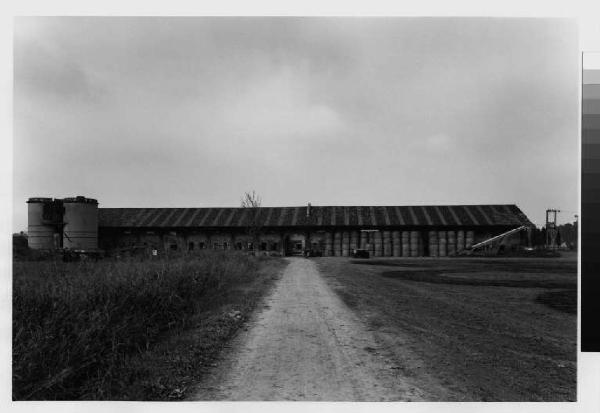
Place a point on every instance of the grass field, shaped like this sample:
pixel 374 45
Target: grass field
pixel 470 329
pixel 129 329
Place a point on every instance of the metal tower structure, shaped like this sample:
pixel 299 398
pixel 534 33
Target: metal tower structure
pixel 551 228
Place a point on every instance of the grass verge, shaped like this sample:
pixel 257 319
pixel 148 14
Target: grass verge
pixel 128 330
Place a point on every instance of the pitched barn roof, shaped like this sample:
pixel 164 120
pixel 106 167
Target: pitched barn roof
pixel 339 216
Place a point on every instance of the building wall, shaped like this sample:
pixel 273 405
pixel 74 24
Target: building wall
pixel 386 242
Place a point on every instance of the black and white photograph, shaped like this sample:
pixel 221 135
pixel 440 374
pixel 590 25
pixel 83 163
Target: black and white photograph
pixel 317 208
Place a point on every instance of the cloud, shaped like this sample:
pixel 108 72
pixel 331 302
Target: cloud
pixel 46 72
pixel 279 107
pixel 438 142
pixel 338 111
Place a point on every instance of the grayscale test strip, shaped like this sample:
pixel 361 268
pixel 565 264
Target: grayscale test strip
pixel 590 201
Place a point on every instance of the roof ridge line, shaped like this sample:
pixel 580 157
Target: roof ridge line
pixel 312 206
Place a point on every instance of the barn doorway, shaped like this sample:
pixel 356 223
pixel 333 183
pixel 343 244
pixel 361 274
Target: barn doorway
pixel 297 248
pixel 294 245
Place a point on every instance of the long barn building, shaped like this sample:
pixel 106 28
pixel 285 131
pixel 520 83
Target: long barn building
pixel 328 231
pixel 398 231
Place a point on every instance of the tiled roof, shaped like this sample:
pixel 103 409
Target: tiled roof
pixel 364 216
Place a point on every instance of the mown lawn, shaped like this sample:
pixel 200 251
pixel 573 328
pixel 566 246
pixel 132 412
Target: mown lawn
pixel 480 329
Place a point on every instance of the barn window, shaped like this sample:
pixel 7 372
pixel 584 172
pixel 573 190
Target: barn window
pixel 216 246
pixel 201 245
pixel 191 246
pixel 225 245
pixel 263 246
pixel 274 246
pixel 238 245
pixel 173 247
pixel 250 246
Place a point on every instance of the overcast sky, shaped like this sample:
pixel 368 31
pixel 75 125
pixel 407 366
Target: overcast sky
pixel 181 112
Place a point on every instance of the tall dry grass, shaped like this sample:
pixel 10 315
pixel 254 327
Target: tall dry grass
pixel 77 323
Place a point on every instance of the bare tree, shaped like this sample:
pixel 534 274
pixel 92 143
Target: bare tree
pixel 252 201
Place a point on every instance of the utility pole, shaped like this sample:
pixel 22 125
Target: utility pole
pixel 551 228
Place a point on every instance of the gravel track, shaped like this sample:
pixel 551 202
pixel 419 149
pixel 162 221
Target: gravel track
pixel 306 344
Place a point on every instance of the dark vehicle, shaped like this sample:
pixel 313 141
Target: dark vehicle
pixel 357 253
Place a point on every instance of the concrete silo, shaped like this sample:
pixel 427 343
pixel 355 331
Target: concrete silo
pixel 44 223
pixel 80 230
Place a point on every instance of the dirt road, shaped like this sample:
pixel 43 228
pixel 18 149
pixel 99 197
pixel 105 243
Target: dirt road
pixel 306 345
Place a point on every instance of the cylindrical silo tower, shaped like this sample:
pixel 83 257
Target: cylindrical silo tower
pixel 433 244
pixel 469 239
pixel 328 244
pixel 405 244
pixel 442 241
pixel 80 230
pixel 451 245
pixel 396 245
pixel 337 243
pixel 414 243
pixel 345 244
pixel 387 243
pixel 44 223
pixel 354 237
pixel 378 243
pixel 364 240
pixel 460 240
